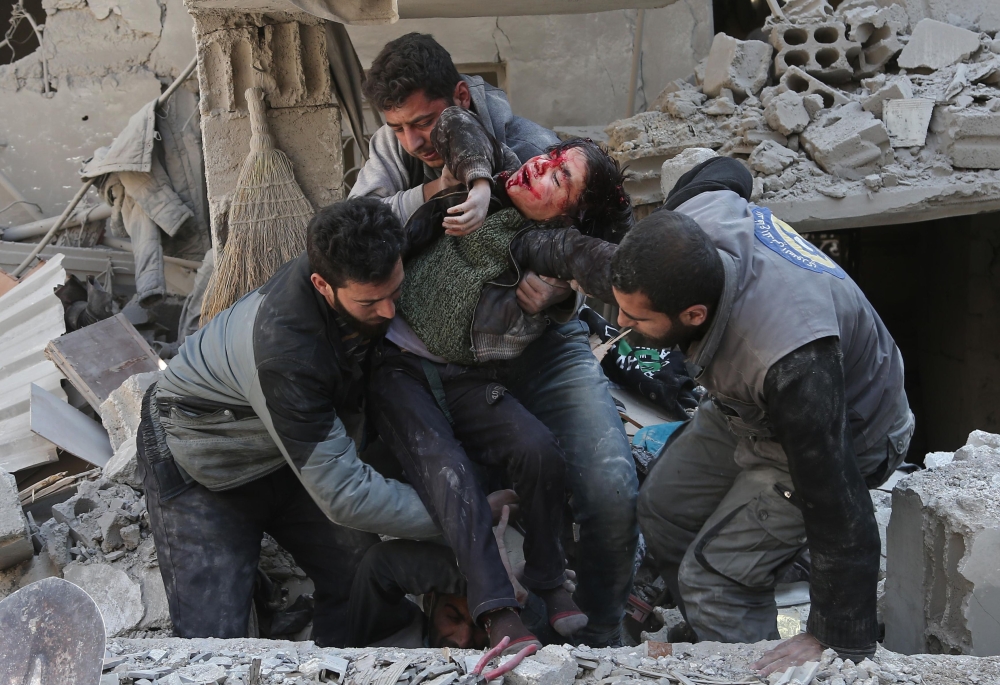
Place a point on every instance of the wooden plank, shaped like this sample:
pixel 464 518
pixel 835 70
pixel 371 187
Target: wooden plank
pixel 99 358
pixel 67 427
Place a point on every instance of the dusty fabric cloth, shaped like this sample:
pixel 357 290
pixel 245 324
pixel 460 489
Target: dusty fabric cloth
pixel 394 176
pixel 443 284
pixel 153 179
pixel 190 319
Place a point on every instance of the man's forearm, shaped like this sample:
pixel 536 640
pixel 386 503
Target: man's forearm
pixel 804 392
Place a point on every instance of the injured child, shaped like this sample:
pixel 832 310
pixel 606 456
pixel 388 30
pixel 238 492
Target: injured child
pixel 436 392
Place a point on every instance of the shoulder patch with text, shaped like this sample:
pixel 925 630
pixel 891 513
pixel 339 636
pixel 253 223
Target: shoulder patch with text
pixel 783 239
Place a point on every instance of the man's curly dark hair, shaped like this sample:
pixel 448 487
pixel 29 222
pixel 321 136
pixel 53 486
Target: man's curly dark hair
pixel 410 63
pixel 358 240
pixel 605 209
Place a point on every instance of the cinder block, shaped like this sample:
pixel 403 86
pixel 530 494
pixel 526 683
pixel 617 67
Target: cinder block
pixel 739 65
pixel 971 137
pixel 848 142
pixel 821 50
pixel 786 113
pixel 943 559
pixel 802 83
pixel 15 537
pixel 935 45
pixel 897 89
pixel 877 30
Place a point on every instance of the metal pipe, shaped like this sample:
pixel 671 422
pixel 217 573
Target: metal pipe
pixel 633 83
pixel 55 228
pixel 177 83
pixel 37 228
pixel 12 190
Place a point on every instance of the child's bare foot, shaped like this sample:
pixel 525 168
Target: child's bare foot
pixel 564 615
pixel 505 622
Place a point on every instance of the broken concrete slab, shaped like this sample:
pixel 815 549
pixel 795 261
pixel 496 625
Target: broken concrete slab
pixel 111 524
pixel 677 166
pixel 117 595
pixel 771 158
pixel 897 89
pixel 120 411
pixel 786 113
pixel 943 558
pixel 821 50
pixel 123 466
pixel 15 537
pixel 741 66
pixel 553 665
pixel 970 136
pixel 57 542
pixel 848 142
pixel 935 45
pixel 907 120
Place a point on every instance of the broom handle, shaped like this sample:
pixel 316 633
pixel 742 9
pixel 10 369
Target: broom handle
pixel 260 136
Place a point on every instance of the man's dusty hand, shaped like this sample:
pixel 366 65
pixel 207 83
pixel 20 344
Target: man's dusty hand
pixel 465 218
pixel 537 293
pixel 500 499
pixel 794 651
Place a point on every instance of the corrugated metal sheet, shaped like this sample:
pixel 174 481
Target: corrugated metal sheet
pixel 30 316
pixel 82 261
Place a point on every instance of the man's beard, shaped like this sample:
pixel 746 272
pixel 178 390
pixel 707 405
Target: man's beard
pixel 368 330
pixel 680 336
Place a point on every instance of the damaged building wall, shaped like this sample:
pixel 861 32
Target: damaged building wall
pixel 286 55
pixel 104 59
pixel 567 70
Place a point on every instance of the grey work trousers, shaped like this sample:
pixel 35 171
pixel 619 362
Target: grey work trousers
pixel 721 533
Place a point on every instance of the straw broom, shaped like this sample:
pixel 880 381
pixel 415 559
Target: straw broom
pixel 267 218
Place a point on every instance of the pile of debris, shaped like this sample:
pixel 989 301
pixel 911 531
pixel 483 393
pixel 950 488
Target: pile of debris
pixel 834 105
pixel 211 661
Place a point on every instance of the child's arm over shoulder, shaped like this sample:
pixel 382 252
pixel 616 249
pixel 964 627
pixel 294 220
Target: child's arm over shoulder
pixel 567 254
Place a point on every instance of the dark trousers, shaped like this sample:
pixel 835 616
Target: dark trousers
pixel 491 429
pixel 208 546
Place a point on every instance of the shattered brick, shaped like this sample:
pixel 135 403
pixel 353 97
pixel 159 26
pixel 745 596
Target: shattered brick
pixel 848 142
pixel 786 113
pixel 741 66
pixel 897 89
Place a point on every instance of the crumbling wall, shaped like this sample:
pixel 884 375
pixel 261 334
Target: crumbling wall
pixel 286 55
pixel 104 60
pixel 943 556
pixel 567 70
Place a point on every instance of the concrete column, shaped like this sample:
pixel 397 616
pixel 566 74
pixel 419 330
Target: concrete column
pixel 288 54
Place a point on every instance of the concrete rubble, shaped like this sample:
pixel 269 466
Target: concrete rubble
pixel 885 115
pixel 175 661
pixel 943 553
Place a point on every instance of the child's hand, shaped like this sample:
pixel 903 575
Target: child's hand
pixel 469 215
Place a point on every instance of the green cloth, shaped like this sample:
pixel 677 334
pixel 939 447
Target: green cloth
pixel 443 284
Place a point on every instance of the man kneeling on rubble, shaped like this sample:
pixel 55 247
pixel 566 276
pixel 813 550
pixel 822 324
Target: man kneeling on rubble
pixel 805 412
pixel 252 429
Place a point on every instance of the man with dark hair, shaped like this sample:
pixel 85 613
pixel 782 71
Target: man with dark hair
pixel 254 428
pixel 805 412
pixel 557 378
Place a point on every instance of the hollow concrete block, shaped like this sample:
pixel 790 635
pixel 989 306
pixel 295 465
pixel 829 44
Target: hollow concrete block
pixel 848 142
pixel 877 30
pixel 739 65
pixel 802 83
pixel 971 137
pixel 822 50
pixel 943 558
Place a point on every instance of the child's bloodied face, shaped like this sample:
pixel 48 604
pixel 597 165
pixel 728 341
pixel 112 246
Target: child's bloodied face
pixel 550 185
